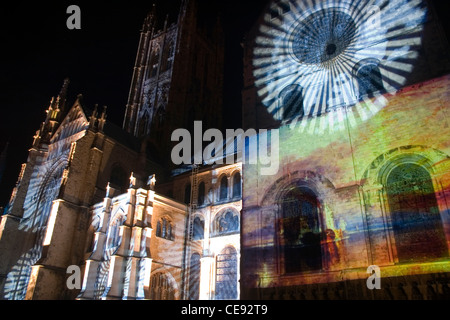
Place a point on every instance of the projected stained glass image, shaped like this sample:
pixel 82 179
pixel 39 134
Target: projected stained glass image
pixel 318 58
pixel 364 177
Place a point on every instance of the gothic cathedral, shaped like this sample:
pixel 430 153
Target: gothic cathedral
pixel 357 91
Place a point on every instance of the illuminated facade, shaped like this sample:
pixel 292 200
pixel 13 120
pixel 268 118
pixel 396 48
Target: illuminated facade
pixel 84 198
pixel 44 230
pixel 359 92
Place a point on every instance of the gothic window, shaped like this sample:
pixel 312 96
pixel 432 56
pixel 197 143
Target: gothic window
pixel 118 179
pixel 158 229
pixel 187 194
pixel 166 62
pixel 369 79
pixel 300 231
pixel 161 288
pixel 143 125
pixel 154 61
pixel 201 194
pixel 114 236
pixel 194 277
pixel 223 190
pixel 164 229
pixel 237 185
pixel 291 103
pixel 416 220
pixel 226 275
pixel 226 223
pixel 199 229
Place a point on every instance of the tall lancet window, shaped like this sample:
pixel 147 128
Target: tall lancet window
pixel 226 275
pixel 416 220
pixel 301 231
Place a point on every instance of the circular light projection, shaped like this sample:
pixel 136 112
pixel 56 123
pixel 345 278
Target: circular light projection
pixel 322 36
pixel 321 64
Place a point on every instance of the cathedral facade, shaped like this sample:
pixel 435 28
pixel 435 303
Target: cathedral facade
pixel 358 92
pixel 95 198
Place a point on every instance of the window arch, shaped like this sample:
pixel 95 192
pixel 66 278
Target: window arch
pixel 300 230
pixel 237 186
pixel 194 277
pixel 201 194
pixel 161 287
pixel 226 223
pixel 198 229
pixel 291 102
pixel 416 220
pixel 223 188
pixel 368 76
pixel 114 235
pixel 226 275
pixel 164 229
pixel 154 61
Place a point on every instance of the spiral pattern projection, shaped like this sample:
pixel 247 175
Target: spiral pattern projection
pixel 321 64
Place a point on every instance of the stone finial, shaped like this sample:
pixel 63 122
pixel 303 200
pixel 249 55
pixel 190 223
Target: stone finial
pixel 151 182
pixel 132 181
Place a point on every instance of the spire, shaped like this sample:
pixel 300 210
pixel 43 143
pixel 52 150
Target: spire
pixel 62 96
pixel 150 20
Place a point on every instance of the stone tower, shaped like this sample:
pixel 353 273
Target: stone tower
pixel 178 77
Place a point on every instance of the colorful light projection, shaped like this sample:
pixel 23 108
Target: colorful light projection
pixel 318 58
pixel 339 205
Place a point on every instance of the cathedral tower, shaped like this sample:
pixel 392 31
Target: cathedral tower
pixel 178 76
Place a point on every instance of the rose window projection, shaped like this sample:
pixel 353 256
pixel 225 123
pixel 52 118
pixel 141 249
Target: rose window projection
pixel 322 58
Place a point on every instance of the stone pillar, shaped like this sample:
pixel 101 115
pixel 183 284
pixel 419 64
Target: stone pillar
pixel 115 277
pixel 48 279
pixel 207 278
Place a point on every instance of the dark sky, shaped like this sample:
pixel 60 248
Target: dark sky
pixel 38 52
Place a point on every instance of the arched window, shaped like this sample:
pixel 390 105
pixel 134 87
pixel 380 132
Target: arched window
pixel 300 230
pixel 164 229
pixel 114 238
pixel 226 223
pixel 226 275
pixel 291 102
pixel 199 229
pixel 154 62
pixel 194 277
pixel 201 194
pixel 166 61
pixel 237 185
pixel 187 194
pixel 368 75
pixel 118 179
pixel 161 288
pixel 416 220
pixel 223 190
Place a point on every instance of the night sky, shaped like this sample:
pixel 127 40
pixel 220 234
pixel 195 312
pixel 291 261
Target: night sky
pixel 39 52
